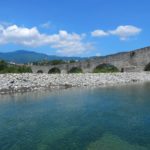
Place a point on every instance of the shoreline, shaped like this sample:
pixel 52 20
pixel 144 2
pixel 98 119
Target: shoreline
pixel 28 82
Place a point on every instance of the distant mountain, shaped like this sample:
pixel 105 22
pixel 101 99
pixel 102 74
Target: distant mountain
pixel 24 56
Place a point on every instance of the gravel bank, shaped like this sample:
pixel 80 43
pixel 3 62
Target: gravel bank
pixel 11 83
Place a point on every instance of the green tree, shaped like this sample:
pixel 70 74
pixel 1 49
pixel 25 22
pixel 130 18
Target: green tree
pixel 3 65
pixel 7 68
pixel 75 70
pixel 105 68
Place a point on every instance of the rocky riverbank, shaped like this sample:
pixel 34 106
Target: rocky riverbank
pixel 11 83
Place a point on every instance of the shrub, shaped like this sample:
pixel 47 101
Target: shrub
pixel 54 70
pixel 3 65
pixel 72 61
pixel 75 70
pixel 24 69
pixel 105 68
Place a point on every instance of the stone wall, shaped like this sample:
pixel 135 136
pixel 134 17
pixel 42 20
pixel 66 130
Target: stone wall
pixel 127 61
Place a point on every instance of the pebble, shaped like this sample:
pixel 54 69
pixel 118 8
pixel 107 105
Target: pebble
pixel 32 82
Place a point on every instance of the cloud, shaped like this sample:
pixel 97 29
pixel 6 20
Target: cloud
pixel 46 25
pixel 21 35
pixel 64 43
pixel 123 32
pixel 99 33
pixel 69 44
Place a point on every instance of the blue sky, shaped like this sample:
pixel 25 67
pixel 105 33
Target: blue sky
pixel 74 27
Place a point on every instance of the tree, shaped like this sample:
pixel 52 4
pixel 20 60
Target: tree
pixel 105 68
pixel 3 65
pixel 75 70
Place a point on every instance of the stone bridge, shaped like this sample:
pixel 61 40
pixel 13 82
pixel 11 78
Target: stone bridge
pixel 127 61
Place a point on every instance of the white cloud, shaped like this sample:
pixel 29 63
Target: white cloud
pixel 20 35
pixel 71 44
pixel 65 43
pixel 125 32
pixel 99 33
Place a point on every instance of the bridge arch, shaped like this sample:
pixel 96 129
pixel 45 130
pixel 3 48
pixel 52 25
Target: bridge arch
pixel 75 70
pixel 105 68
pixel 40 71
pixel 54 70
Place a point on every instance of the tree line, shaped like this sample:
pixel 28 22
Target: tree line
pixel 52 62
pixel 9 68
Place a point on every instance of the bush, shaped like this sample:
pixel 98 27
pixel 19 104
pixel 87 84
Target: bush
pixel 24 69
pixel 72 61
pixel 147 67
pixel 76 70
pixel 3 65
pixel 105 68
pixel 54 70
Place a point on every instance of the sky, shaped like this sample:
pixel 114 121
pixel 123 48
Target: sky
pixel 74 27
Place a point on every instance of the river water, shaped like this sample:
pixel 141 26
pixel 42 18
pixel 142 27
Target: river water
pixel 108 118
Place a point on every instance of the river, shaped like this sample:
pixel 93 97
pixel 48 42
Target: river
pixel 108 118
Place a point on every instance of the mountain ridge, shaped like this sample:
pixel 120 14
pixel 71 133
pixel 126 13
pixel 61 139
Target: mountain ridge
pixel 25 56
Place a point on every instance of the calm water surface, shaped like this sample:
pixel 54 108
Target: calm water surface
pixel 111 118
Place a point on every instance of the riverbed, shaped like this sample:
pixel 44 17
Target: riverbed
pixel 12 83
